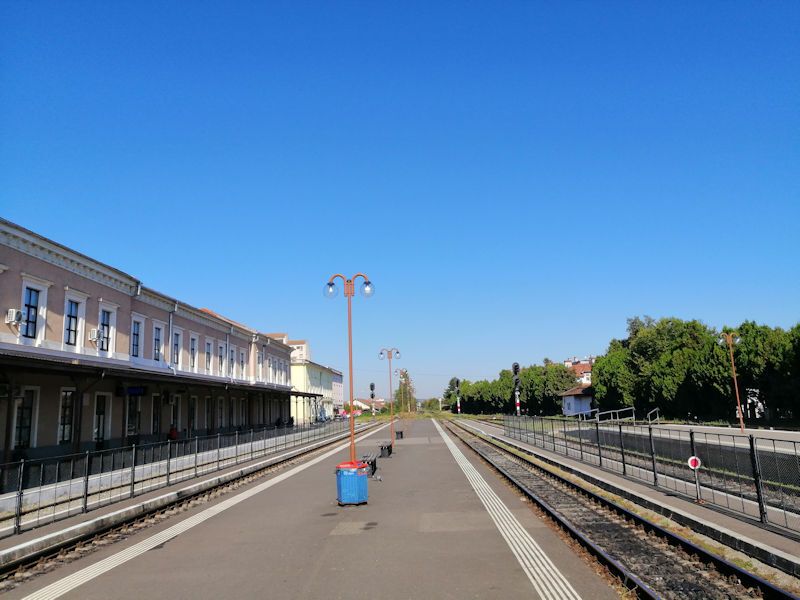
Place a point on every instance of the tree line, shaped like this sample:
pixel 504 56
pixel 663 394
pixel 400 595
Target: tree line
pixel 684 369
pixel 681 367
pixel 540 386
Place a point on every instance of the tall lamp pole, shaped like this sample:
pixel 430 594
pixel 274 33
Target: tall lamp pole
pixel 515 370
pixel 390 353
pixel 731 338
pixel 367 290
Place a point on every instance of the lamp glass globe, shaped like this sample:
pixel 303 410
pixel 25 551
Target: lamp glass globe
pixel 330 290
pixel 367 289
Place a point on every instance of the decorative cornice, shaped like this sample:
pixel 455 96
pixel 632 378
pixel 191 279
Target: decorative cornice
pixel 50 252
pixel 156 300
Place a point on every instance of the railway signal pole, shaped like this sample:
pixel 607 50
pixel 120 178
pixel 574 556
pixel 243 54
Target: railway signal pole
pixel 515 370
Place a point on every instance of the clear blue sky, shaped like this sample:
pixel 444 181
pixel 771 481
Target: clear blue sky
pixel 517 178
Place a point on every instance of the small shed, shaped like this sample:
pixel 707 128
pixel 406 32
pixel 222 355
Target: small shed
pixel 577 400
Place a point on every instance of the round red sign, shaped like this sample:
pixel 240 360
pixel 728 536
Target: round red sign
pixel 694 463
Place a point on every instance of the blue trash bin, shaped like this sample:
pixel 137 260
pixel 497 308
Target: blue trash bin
pixel 351 483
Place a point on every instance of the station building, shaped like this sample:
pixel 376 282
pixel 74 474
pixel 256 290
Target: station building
pixel 91 358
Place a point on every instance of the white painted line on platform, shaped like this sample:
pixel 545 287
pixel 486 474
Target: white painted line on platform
pixel 69 583
pixel 545 577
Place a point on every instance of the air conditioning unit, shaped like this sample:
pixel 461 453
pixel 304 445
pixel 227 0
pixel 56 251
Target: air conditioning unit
pixel 94 335
pixel 14 316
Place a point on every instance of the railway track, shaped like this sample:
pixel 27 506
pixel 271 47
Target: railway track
pixel 650 560
pixel 44 561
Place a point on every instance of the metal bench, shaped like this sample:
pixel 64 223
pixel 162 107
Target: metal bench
pixel 372 461
pixel 386 449
pixel 398 434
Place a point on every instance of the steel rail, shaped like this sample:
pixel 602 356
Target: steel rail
pixel 725 567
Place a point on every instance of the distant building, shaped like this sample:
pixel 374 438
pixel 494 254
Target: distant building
pixel 577 400
pixel 338 393
pixel 582 368
pixel 322 384
pixel 312 378
pixel 300 350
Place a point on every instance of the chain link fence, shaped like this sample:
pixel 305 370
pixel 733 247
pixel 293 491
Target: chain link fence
pixel 758 477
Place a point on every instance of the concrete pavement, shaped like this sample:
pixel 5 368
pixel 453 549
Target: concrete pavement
pixel 425 533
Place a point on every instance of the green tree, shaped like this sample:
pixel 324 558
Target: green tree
pixel 404 394
pixel 612 378
pixel 762 359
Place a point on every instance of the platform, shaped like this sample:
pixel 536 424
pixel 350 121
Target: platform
pixel 425 533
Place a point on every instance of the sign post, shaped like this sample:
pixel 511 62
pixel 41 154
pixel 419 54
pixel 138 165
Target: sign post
pixel 695 463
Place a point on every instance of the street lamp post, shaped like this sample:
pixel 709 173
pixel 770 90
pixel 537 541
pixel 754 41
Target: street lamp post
pixel 515 370
pixel 731 338
pixel 367 290
pixel 458 397
pixel 390 353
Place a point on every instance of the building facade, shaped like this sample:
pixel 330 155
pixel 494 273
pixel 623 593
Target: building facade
pixel 91 358
pixel 338 393
pixel 582 367
pixel 577 400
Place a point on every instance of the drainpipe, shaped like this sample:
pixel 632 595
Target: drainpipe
pixel 254 346
pixel 169 339
pixel 228 353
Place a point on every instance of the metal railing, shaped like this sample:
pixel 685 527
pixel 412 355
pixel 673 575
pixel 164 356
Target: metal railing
pixel 755 476
pixel 616 414
pixel 41 491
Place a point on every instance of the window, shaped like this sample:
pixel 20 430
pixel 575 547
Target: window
pixel 136 337
pixel 65 417
pixel 102 420
pixel 260 360
pixel 193 353
pixel 231 362
pixel 231 412
pixel 209 412
pixel 133 419
pixel 242 372
pixel 175 413
pixel 156 424
pixel 221 360
pixel 30 313
pixel 157 344
pixel 24 419
pixel 105 329
pixel 71 323
pixel 191 417
pixel 220 412
pixel 176 349
pixel 208 357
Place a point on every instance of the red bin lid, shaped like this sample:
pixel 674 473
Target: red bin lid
pixel 351 465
